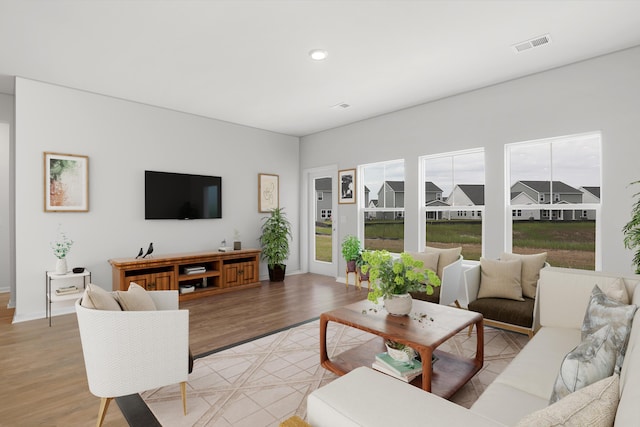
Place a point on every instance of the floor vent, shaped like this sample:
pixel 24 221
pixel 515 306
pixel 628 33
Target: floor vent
pixel 530 44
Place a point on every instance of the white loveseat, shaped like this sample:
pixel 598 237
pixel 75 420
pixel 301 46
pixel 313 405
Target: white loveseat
pixel 524 387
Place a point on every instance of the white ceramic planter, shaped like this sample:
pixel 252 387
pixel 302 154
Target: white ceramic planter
pixel 61 266
pixel 398 305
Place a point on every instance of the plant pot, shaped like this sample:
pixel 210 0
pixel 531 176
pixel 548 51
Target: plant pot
pixel 61 266
pixel 398 305
pixel 351 266
pixel 364 277
pixel 404 355
pixel 276 272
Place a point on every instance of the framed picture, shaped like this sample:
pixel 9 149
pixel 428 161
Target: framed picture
pixel 66 183
pixel 347 182
pixel 268 192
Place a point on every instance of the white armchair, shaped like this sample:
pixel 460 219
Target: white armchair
pixel 450 290
pixel 127 352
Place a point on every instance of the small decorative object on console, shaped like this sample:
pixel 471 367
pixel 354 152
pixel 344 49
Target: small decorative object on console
pixel 78 270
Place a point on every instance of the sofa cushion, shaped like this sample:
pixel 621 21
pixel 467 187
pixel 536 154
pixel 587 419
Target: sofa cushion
pixel 591 361
pixel 518 313
pixel 429 260
pixel 617 291
pixel 531 266
pixel 423 296
pixel 447 256
pixel 603 311
pixel 135 298
pixel 500 279
pixel 594 405
pixel 97 298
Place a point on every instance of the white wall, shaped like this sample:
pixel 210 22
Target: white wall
pixel 7 272
pixel 599 94
pixel 122 139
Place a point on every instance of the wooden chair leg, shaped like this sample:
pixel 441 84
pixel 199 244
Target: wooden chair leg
pixel 183 392
pixel 470 330
pixel 457 303
pixel 104 405
pixel 347 279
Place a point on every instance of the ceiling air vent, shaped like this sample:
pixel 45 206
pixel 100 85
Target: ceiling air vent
pixel 341 106
pixel 530 44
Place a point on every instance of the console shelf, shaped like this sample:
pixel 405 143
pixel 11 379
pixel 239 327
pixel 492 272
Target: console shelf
pixel 217 272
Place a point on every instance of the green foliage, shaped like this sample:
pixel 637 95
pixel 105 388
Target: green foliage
pixel 276 232
pixel 351 248
pixel 62 246
pixel 632 231
pixel 390 276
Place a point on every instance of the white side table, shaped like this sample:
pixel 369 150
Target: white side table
pixel 55 281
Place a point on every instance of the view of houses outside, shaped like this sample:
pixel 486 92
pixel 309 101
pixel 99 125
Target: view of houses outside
pixel 324 217
pixel 554 199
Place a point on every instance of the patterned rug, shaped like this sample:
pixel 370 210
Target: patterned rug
pixel 265 381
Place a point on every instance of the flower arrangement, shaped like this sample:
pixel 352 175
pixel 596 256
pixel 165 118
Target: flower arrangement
pixel 62 246
pixel 391 276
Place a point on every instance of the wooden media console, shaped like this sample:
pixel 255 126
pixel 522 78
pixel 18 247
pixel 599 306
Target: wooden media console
pixel 193 274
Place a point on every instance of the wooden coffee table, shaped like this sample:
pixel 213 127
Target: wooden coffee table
pixel 428 326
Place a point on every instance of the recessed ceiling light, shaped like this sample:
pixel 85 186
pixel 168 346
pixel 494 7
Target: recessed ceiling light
pixel 318 54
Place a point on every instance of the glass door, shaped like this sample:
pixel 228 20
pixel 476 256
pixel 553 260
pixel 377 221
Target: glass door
pixel 322 227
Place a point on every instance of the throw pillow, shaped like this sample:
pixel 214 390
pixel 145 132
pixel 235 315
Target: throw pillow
pixel 97 298
pixel 603 311
pixel 135 298
pixel 429 260
pixel 447 256
pixel 595 405
pixel 591 361
pixel 616 290
pixel 500 279
pixel 531 266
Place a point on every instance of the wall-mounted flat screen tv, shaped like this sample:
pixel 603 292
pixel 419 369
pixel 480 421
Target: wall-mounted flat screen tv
pixel 169 195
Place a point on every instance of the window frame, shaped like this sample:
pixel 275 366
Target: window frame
pixel 547 209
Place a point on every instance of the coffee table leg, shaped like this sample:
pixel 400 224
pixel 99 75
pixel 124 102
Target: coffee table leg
pixel 480 343
pixel 324 357
pixel 427 367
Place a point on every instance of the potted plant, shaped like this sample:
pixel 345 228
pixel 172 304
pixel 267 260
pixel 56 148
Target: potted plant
pixel 351 252
pixel 393 279
pixel 632 231
pixel 61 248
pixel 276 232
pixel 360 262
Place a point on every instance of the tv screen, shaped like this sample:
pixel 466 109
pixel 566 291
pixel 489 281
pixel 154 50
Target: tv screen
pixel 170 195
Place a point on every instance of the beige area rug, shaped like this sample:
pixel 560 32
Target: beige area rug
pixel 266 381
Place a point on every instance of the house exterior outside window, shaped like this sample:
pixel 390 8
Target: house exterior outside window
pixel 555 184
pixel 452 187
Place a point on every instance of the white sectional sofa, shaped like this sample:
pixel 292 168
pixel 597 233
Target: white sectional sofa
pixel 368 398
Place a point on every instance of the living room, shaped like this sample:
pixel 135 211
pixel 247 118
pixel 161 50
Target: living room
pixel 123 138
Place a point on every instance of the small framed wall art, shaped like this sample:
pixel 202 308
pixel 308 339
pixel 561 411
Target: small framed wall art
pixel 268 192
pixel 66 183
pixel 347 181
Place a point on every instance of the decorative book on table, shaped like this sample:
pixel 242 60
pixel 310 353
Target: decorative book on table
pixel 405 371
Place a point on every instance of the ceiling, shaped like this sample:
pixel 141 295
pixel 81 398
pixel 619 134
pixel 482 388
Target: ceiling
pixel 247 62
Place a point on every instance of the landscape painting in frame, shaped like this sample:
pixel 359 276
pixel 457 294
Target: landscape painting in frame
pixel 66 183
pixel 268 192
pixel 347 182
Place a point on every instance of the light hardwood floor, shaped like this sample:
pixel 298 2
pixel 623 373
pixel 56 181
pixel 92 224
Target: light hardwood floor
pixel 42 370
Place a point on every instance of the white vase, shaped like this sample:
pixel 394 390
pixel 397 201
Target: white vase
pixel 61 266
pixel 399 305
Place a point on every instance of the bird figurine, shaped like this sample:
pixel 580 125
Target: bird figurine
pixel 149 250
pixel 140 253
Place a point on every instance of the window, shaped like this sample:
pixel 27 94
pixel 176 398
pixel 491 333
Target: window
pixel 320 196
pixel 381 211
pixel 325 213
pixel 452 188
pixel 555 183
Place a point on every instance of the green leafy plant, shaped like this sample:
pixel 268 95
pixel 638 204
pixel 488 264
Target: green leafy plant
pixel 351 248
pixel 632 231
pixel 62 245
pixel 276 232
pixel 389 276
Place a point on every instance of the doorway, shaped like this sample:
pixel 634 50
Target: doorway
pixel 322 224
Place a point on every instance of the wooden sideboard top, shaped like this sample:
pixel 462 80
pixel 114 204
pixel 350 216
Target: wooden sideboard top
pixel 184 257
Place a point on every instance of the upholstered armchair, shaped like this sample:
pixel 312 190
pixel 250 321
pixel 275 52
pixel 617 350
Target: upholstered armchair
pixel 127 352
pixel 447 263
pixel 505 291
